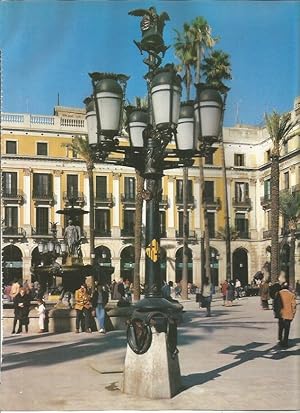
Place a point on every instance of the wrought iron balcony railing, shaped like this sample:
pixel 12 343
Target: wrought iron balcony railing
pixel 128 199
pixel 241 203
pixel 267 234
pixel 244 235
pixel 190 201
pixel 41 232
pixel 104 199
pixel 191 234
pixel 73 198
pixel 214 203
pixel 102 233
pixel 265 200
pixel 14 232
pixel 12 196
pixel 127 232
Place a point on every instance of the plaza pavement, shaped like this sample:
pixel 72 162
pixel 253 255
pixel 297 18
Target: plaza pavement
pixel 228 362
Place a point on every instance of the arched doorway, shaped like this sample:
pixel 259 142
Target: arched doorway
pixel 214 266
pixel 12 264
pixel 163 264
pixel 127 263
pixel 103 268
pixel 240 265
pixel 179 265
pixel 285 260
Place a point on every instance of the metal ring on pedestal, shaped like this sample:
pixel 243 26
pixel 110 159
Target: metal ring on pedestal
pixel 139 336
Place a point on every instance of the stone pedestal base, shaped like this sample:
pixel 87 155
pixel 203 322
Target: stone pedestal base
pixel 155 374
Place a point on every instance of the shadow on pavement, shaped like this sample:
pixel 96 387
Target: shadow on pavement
pixel 54 354
pixel 243 354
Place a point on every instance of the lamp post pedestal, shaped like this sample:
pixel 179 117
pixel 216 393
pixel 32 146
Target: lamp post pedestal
pixel 154 374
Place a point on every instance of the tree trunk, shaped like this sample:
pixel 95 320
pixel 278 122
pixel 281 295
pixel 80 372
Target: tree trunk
pixel 206 229
pixel 92 221
pixel 292 260
pixel 185 258
pixel 274 217
pixel 138 236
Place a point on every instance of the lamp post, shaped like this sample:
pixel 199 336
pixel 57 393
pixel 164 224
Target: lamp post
pixel 193 128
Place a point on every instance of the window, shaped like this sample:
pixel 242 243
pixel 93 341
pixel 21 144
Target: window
pixel 42 221
pixel 42 185
pixel 102 222
pixel 268 219
pixel 42 148
pixel 130 188
pixel 209 191
pixel 163 232
pixel 285 148
pixel 11 219
pixel 241 191
pixel 286 180
pixel 241 225
pixel 72 186
pixel 209 158
pixel 9 183
pixel 239 159
pixel 268 155
pixel 129 219
pixel 179 190
pixel 11 147
pixel 101 187
pixel 211 224
pixel 180 223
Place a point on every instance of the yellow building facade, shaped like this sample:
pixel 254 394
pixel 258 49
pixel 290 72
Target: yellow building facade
pixel 41 175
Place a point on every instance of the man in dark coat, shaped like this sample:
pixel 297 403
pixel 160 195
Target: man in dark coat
pixel 21 306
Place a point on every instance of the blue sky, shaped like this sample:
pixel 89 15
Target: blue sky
pixel 48 47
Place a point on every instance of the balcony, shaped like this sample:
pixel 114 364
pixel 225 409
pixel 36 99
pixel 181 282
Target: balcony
pixel 127 232
pixel 73 198
pixel 128 200
pixel 14 232
pixel 296 188
pixel 190 202
pixel 244 203
pixel 41 232
pixel 265 201
pixel 12 197
pixel 42 197
pixel 213 203
pixel 104 200
pixel 192 234
pixel 267 234
pixel 243 235
pixel 102 233
pixel 163 202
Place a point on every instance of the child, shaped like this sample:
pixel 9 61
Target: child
pixel 42 314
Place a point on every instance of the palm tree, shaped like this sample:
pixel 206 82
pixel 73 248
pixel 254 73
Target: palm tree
pixel 290 209
pixel 217 68
pixel 278 127
pixel 183 50
pixel 199 34
pixel 80 146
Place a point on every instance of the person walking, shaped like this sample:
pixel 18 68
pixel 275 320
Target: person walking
pixel 21 307
pixel 83 308
pixel 206 293
pixel 264 294
pixel 230 293
pixel 41 309
pixel 99 301
pixel 224 286
pixel 285 310
pixel 238 286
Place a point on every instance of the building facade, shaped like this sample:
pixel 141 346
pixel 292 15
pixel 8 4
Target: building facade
pixel 41 175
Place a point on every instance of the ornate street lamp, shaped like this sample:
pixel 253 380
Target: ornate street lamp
pixel 194 127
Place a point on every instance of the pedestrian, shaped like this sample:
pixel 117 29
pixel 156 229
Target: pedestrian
pixel 21 307
pixel 224 286
pixel 41 309
pixel 274 288
pixel 285 310
pixel 230 293
pixel 206 293
pixel 99 301
pixel 83 309
pixel 238 286
pixel 15 289
pixel 166 290
pixel 264 294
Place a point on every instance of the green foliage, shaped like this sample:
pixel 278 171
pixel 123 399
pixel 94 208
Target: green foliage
pixel 278 126
pixel 80 145
pixel 216 68
pixel 290 207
